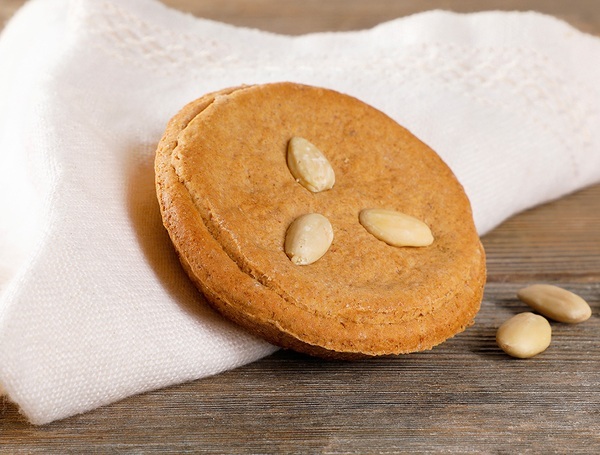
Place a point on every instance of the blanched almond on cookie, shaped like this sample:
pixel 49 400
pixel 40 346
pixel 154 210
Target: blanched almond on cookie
pixel 308 238
pixel 396 228
pixel 309 166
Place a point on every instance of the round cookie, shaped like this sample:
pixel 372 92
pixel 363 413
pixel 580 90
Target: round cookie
pixel 227 198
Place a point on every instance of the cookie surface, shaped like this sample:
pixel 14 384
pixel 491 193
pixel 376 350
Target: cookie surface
pixel 227 198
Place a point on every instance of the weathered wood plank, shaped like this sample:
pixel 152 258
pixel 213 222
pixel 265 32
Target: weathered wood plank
pixel 558 242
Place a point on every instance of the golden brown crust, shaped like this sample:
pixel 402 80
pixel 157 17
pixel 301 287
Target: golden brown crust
pixel 227 198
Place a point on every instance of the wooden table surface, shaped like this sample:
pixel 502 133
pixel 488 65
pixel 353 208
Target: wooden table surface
pixel 464 396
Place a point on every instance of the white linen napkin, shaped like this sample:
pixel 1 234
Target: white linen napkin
pixel 94 306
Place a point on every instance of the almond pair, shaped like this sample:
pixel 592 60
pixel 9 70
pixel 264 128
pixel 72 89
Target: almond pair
pixel 526 334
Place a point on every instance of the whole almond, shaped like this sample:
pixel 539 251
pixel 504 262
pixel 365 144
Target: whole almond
pixel 524 335
pixel 395 228
pixel 556 303
pixel 308 238
pixel 309 166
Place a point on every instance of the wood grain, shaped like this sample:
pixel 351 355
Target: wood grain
pixel 464 396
